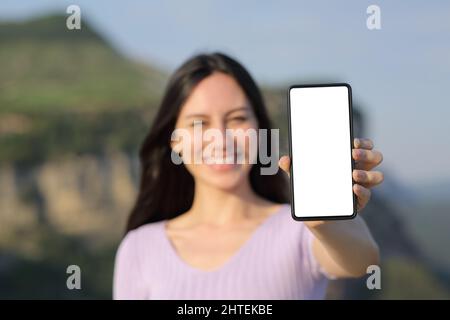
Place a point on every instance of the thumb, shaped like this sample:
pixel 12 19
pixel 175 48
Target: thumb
pixel 285 163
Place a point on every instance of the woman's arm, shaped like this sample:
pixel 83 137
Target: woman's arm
pixel 346 248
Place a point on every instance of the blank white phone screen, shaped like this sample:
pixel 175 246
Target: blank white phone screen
pixel 321 152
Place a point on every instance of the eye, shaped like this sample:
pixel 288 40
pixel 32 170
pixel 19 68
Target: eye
pixel 239 119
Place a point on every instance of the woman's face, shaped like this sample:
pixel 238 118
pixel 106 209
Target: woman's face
pixel 216 104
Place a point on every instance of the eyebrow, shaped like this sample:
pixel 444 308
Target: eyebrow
pixel 245 108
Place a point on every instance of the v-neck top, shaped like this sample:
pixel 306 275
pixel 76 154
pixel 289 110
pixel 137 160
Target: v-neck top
pixel 275 262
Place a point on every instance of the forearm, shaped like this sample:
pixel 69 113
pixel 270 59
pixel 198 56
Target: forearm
pixel 345 248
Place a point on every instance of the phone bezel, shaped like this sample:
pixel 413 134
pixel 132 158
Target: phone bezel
pixel 291 176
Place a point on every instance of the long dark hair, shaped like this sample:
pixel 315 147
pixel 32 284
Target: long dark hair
pixel 166 189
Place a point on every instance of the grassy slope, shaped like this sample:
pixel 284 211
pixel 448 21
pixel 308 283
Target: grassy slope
pixel 65 91
pixel 46 67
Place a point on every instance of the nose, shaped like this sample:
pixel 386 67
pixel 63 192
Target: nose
pixel 224 141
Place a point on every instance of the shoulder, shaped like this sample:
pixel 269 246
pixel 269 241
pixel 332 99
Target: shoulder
pixel 298 233
pixel 138 240
pixel 283 229
pixel 286 221
pixel 146 231
pixel 132 265
pixel 291 231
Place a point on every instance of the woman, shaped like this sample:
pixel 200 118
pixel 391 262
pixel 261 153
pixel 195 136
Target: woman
pixel 214 230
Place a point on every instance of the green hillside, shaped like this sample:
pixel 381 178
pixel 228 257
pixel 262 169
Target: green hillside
pixel 69 91
pixel 46 67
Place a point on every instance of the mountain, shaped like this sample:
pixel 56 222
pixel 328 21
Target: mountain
pixel 47 67
pixel 73 112
pixel 59 85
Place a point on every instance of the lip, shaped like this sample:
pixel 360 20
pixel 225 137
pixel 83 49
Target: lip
pixel 222 167
pixel 227 163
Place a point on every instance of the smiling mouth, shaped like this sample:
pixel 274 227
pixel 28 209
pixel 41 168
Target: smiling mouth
pixel 228 161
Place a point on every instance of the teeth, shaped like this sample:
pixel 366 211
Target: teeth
pixel 229 159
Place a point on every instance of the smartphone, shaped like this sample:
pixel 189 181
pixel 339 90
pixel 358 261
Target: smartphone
pixel 320 147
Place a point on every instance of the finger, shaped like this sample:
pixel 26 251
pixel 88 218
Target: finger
pixel 367 159
pixel 285 164
pixel 362 194
pixel 368 179
pixel 362 143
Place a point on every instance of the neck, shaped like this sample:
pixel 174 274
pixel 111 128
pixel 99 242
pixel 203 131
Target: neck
pixel 220 207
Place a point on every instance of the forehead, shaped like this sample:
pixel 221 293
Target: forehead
pixel 217 93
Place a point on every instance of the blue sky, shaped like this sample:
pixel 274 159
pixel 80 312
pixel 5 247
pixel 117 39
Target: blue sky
pixel 400 74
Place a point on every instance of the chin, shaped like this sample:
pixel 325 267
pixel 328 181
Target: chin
pixel 225 178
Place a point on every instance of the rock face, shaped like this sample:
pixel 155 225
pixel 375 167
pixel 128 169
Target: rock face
pixel 78 195
pixel 14 213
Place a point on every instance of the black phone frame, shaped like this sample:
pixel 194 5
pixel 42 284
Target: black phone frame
pixel 291 176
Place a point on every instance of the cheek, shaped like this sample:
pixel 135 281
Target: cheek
pixel 191 147
pixel 193 170
pixel 197 145
pixel 248 144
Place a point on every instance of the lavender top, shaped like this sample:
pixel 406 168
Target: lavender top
pixel 276 262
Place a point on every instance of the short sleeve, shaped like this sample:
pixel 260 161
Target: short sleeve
pixel 128 283
pixel 316 269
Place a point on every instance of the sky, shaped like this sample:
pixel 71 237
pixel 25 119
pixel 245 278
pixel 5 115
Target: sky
pixel 400 74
